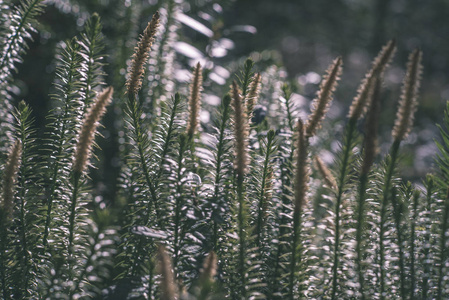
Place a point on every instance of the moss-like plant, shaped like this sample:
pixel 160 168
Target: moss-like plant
pixel 227 209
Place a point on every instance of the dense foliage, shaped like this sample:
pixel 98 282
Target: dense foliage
pixel 239 198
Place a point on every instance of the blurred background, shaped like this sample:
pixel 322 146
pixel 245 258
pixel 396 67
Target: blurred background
pixel 290 40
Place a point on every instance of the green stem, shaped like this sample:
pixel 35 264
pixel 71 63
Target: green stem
pixel 218 169
pixel 412 246
pixel 296 255
pixel 23 21
pixel 23 240
pixel 132 105
pixel 76 183
pixel 426 251
pixel 397 210
pixel 442 249
pixel 3 243
pixel 359 233
pixel 60 147
pixel 349 136
pixel 80 277
pixel 167 140
pixel 178 207
pixel 286 192
pixel 383 212
pixel 151 279
pixel 242 234
pixel 261 212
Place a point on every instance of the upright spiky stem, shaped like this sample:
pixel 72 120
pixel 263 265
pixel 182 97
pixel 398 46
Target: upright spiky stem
pixel 84 149
pixel 134 84
pixel 179 203
pixel 287 94
pixel 380 63
pixel 403 124
pixel 241 132
pixel 225 112
pixel 11 48
pixel 391 166
pixel 194 102
pixel 408 103
pixel 322 102
pixel 167 283
pixel 398 212
pixel 356 110
pixel 69 75
pixel 9 179
pixel 140 56
pixel 427 255
pixel 443 251
pixel 348 142
pixel 6 207
pixel 265 188
pixel 414 218
pixel 301 186
pixel 369 153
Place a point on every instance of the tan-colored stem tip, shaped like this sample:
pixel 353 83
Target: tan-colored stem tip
pixel 241 132
pixel 325 173
pixel 169 290
pixel 88 129
pixel 380 63
pixel 209 267
pixel 409 94
pixel 10 177
pixel 302 167
pixel 253 95
pixel 371 129
pixel 321 103
pixel 140 56
pixel 195 101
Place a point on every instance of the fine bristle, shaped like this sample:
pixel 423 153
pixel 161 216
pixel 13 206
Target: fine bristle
pixel 167 283
pixel 409 94
pixel 88 129
pixel 380 63
pixel 209 267
pixel 9 178
pixel 325 173
pixel 322 102
pixel 195 101
pixel 140 56
pixel 371 128
pixel 253 95
pixel 240 132
pixel 302 167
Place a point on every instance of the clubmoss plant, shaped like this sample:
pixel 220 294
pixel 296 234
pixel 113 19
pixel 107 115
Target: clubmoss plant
pixel 228 210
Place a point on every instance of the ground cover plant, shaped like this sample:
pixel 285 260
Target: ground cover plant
pixel 241 207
